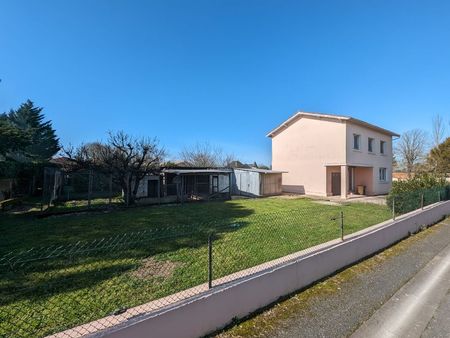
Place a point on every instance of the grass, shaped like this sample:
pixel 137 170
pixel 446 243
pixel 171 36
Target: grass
pixel 50 295
pixel 34 205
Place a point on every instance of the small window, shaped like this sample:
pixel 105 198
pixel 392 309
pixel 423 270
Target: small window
pixel 356 142
pixel 382 174
pixel 382 146
pixel 370 145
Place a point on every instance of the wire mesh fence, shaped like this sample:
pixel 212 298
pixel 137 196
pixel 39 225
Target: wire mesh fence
pixel 404 202
pixel 78 189
pixel 268 241
pixel 47 290
pixel 73 290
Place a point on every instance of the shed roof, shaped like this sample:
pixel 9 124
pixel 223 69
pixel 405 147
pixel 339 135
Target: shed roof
pixel 301 114
pixel 198 171
pixel 262 171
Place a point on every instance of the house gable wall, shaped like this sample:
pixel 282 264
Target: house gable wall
pixel 304 148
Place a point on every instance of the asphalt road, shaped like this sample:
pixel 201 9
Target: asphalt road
pixel 439 325
pixel 420 306
pixel 358 296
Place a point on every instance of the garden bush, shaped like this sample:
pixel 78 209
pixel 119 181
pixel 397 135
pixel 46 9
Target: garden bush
pixel 426 188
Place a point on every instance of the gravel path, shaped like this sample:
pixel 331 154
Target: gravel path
pixel 337 306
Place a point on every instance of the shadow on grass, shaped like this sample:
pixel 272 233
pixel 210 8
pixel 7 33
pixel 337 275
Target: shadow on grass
pixel 22 286
pixel 49 271
pixel 22 232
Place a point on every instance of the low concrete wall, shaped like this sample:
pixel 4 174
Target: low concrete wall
pixel 216 308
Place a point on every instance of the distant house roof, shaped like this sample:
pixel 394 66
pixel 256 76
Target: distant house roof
pixel 401 175
pixel 300 115
pixel 65 163
pixel 262 171
pixel 238 164
pixel 61 161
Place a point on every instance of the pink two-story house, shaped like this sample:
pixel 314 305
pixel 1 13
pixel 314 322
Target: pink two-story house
pixel 330 155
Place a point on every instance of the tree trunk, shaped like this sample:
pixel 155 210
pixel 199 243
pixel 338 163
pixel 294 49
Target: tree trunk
pixel 409 170
pixel 127 188
pixel 110 189
pixel 135 188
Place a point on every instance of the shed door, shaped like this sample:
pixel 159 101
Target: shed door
pixel 152 188
pixel 336 183
pixel 215 184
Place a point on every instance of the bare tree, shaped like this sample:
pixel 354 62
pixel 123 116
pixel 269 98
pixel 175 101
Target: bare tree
pixel 126 158
pixel 411 149
pixel 438 130
pixel 205 155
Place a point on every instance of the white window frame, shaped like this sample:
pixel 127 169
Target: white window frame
pixel 382 174
pixel 370 142
pixel 358 143
pixel 382 147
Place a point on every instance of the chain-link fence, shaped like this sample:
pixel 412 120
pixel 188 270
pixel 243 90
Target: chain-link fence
pixel 401 203
pixel 83 188
pixel 77 289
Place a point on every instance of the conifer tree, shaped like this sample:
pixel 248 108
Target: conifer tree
pixel 43 140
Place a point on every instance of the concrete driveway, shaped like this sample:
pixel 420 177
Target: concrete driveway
pixel 401 292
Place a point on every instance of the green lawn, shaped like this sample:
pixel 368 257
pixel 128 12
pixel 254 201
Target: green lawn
pixel 165 253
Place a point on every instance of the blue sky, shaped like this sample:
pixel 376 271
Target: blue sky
pixel 226 72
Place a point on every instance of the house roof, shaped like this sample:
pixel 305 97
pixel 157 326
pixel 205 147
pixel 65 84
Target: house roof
pixel 262 171
pixel 300 115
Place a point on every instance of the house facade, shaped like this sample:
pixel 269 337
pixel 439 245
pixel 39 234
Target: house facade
pixel 329 155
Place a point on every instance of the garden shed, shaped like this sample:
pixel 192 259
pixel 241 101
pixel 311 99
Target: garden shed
pixel 254 182
pixel 184 184
pixel 199 184
pixel 150 187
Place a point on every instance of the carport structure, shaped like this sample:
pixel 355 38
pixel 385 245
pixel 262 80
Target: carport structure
pixel 199 184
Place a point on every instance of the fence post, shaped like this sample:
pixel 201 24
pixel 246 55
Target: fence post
pixel 439 195
pixel 393 208
pixel 421 201
pixel 210 267
pixel 110 189
pixel 50 193
pixel 127 200
pixel 342 225
pixel 90 188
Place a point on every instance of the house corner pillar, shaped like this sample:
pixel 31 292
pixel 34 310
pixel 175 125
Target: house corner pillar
pixel 344 181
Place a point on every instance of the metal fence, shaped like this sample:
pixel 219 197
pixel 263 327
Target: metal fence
pixel 83 188
pixel 401 203
pixel 77 289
